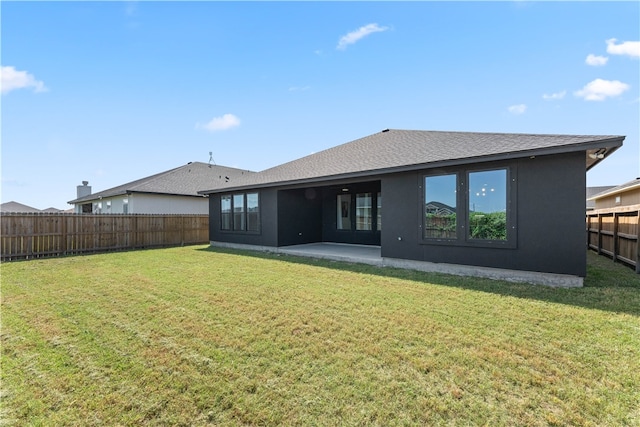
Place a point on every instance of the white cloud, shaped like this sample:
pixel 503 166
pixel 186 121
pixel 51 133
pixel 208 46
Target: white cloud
pixel 299 88
pixel 130 8
pixel 595 60
pixel 13 79
pixel 224 122
pixel 624 48
pixel 358 34
pixel 12 182
pixel 600 89
pixel 517 109
pixel 557 95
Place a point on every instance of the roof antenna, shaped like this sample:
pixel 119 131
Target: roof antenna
pixel 211 158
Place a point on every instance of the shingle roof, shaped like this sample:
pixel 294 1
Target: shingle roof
pixel 17 207
pixel 185 180
pixel 592 191
pixel 627 186
pixel 394 150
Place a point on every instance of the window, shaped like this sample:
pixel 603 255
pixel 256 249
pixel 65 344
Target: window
pixel 440 194
pixel 359 212
pixel 125 206
pixel 240 212
pixel 479 215
pixel 379 211
pixel 253 212
pixel 225 212
pixel 363 211
pixel 344 212
pixel 488 205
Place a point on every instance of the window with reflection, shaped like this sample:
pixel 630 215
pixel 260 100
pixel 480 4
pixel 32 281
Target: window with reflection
pixel 238 212
pixel 225 212
pixel 253 212
pixel 440 216
pixel 364 214
pixel 487 214
pixel 344 212
pixel 470 207
pixel 379 212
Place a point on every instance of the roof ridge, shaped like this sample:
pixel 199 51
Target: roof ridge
pixel 154 177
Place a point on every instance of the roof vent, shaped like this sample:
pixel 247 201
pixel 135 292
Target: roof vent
pixel 385 130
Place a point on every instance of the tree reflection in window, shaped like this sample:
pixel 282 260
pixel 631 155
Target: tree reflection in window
pixel 488 205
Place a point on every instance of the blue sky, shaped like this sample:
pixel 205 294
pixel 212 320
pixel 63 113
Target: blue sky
pixel 111 92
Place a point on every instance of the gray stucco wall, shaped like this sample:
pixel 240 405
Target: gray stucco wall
pixel 549 205
pixel 299 216
pixel 268 216
pixel 547 201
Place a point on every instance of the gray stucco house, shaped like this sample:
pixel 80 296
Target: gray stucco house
pixel 515 202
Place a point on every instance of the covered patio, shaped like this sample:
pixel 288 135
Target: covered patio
pixel 363 254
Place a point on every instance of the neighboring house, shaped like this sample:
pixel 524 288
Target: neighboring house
pixel 437 208
pixel 519 199
pixel 17 207
pixel 171 192
pixel 592 191
pixel 626 194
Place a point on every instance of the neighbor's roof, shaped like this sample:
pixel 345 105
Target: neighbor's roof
pixel 592 191
pixel 627 186
pixel 394 150
pixel 185 180
pixel 17 207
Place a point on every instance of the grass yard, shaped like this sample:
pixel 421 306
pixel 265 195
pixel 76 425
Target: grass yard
pixel 199 336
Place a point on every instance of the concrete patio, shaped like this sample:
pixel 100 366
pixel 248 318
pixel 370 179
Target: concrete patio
pixel 365 254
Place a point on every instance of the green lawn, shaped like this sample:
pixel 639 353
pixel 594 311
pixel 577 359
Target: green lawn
pixel 199 336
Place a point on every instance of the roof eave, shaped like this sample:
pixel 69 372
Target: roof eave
pixel 614 191
pixel 97 196
pixel 128 192
pixel 167 194
pixel 608 150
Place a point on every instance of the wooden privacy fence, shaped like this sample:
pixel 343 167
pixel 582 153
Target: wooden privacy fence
pixel 35 235
pixel 614 232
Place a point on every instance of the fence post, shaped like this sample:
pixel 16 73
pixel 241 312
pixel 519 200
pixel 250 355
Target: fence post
pixel 182 234
pixel 638 243
pixel 588 230
pixel 63 233
pixel 599 234
pixel 616 219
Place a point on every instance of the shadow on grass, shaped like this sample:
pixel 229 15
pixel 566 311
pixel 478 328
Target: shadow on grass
pixel 608 286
